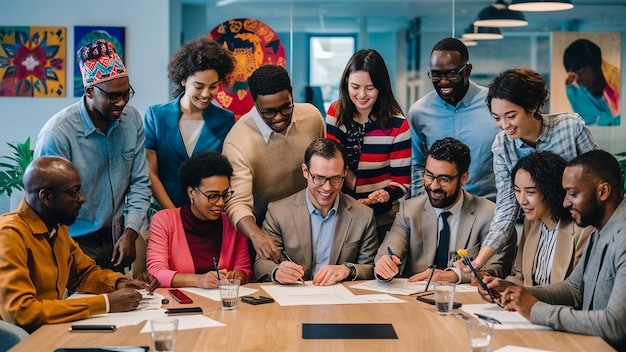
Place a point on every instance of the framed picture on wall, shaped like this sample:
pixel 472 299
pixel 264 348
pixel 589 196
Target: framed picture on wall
pixel 86 34
pixel 586 76
pixel 32 61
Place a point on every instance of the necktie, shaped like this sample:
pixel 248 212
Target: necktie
pixel 444 242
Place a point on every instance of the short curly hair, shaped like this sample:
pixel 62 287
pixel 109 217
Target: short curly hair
pixel 198 55
pixel 522 87
pixel 546 171
pixel 203 165
pixel 453 151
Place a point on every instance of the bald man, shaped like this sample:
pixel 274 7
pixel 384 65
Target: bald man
pixel 40 263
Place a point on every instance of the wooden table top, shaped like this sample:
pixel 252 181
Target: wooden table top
pixel 270 327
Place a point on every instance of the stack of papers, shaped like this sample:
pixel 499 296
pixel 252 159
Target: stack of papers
pixel 401 286
pixel 508 320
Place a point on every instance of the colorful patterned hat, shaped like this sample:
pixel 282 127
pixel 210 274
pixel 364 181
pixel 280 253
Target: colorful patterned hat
pixel 99 62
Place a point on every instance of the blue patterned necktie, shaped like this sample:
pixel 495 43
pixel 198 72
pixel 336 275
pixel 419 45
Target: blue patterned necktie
pixel 444 242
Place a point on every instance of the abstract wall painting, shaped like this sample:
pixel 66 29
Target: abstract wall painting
pixel 86 34
pixel 32 61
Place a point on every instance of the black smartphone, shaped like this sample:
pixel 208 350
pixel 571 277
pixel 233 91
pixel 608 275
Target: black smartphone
pixel 180 297
pixel 455 305
pixel 180 311
pixel 255 301
pixel 92 328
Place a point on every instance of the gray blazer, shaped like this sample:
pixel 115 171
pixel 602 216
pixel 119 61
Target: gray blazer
pixel 591 300
pixel 570 242
pixel 413 235
pixel 354 237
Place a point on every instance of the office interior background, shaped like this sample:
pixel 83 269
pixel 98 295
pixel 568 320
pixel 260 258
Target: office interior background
pixel 403 31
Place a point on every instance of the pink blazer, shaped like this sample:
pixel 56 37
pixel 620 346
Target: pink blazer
pixel 168 251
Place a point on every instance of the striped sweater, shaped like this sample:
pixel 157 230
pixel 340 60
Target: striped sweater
pixel 384 162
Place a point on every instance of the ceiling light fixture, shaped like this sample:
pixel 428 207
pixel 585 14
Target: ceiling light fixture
pixel 499 15
pixel 482 33
pixel 469 42
pixel 540 5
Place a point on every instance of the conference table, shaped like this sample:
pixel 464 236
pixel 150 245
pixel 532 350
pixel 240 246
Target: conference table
pixel 271 327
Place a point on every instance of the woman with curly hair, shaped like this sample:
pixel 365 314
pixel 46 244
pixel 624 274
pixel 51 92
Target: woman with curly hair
pixel 368 121
pixel 551 243
pixel 516 99
pixel 191 123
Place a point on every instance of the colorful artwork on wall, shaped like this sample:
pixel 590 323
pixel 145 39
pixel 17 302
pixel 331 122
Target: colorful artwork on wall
pixel 253 44
pixel 586 76
pixel 32 61
pixel 86 34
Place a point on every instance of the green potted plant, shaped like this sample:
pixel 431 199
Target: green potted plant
pixel 13 166
pixel 621 158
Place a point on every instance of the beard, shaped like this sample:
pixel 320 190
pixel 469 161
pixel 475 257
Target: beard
pixel 447 200
pixel 592 214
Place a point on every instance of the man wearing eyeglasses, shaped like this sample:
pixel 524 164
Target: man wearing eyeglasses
pixel 265 147
pixel 456 108
pixel 103 137
pixel 429 229
pixel 323 234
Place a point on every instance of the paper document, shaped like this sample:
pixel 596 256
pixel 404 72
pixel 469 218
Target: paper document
pixel 214 293
pixel 149 308
pixel 194 321
pixel 510 348
pixel 378 298
pixel 309 294
pixel 399 286
pixel 509 320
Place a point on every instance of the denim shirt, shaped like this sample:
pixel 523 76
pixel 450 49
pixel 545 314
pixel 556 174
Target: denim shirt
pixel 112 166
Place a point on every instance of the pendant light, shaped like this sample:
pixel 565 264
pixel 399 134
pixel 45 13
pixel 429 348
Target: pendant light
pixel 499 15
pixel 540 5
pixel 482 33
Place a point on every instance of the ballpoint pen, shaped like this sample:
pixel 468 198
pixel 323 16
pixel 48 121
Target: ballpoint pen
pixel 284 254
pixel 430 277
pixel 488 318
pixel 390 252
pixel 216 269
pixel 468 263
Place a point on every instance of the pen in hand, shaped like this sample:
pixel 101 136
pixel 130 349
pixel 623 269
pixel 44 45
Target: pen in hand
pixel 284 254
pixel 216 270
pixel 430 277
pixel 468 263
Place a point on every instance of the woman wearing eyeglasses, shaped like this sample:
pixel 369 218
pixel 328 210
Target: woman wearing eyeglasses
pixel 191 123
pixel 185 241
pixel 516 99
pixel 369 122
pixel 551 243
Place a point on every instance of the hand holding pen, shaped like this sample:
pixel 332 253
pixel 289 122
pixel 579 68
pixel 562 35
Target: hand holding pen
pixel 387 266
pixel 482 284
pixel 288 272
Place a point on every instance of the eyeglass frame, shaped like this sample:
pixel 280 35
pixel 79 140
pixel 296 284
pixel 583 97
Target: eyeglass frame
pixel 74 194
pixel 335 181
pixel 217 197
pixel 443 180
pixel 446 73
pixel 275 112
pixel 115 98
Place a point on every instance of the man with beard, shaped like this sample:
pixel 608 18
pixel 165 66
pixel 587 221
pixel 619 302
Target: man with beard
pixel 591 300
pixel 41 263
pixel 103 137
pixel 429 229
pixel 456 108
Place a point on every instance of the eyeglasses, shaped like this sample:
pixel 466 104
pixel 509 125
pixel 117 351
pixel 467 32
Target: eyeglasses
pixel 270 113
pixel 114 98
pixel 443 180
pixel 213 198
pixel 451 75
pixel 335 181
pixel 73 193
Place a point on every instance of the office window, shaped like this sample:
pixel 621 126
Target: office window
pixel 327 60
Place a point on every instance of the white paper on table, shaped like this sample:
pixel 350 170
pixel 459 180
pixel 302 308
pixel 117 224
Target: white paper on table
pixel 510 348
pixel 185 322
pixel 308 294
pixel 149 308
pixel 378 298
pixel 399 286
pixel 214 293
pixel 509 320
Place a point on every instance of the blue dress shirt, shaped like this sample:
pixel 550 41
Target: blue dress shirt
pixel 321 233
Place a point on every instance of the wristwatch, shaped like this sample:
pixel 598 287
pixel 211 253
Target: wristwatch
pixel 352 268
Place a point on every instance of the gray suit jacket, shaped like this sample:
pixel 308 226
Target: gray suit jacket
pixel 354 237
pixel 413 235
pixel 591 300
pixel 570 242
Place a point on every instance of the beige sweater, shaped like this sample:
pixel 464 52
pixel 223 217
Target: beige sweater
pixel 266 172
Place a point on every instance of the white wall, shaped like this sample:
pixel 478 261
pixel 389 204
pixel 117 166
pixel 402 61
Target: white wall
pixel 147 25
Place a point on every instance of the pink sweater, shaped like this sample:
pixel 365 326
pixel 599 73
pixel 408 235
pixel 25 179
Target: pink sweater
pixel 168 251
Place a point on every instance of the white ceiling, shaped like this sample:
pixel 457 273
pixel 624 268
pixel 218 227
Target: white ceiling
pixel 332 16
